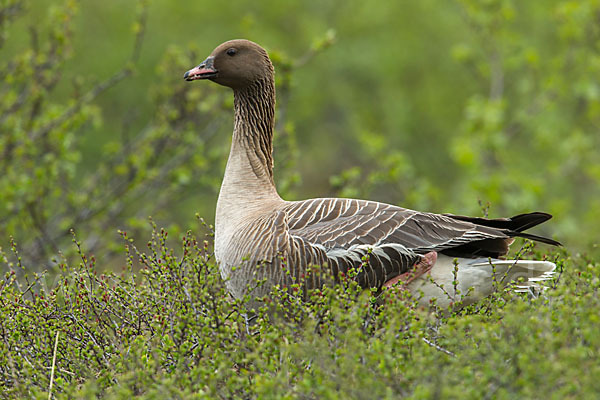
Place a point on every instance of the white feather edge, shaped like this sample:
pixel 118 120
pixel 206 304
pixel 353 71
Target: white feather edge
pixel 479 275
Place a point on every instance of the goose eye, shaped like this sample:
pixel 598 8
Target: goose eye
pixel 231 52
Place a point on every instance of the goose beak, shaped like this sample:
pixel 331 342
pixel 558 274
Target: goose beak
pixel 206 70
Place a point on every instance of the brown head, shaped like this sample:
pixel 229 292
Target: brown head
pixel 236 64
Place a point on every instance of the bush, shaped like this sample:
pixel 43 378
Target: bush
pixel 166 327
pixel 511 118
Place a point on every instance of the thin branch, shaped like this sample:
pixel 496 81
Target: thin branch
pixel 53 365
pixel 496 76
pixel 439 348
pixel 103 86
pixel 83 100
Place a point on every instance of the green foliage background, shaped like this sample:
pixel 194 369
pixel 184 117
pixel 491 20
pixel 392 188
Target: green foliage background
pixel 446 106
pixel 431 105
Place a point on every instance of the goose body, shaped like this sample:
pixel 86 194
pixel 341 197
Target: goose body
pixel 262 240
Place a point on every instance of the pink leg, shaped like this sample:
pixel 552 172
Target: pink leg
pixel 422 267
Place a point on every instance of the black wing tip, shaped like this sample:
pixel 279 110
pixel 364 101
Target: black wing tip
pixel 535 213
pixel 522 222
pixel 537 238
pixel 515 225
pixel 539 216
pixel 525 221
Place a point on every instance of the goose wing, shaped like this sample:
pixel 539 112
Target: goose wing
pixel 343 223
pixel 344 232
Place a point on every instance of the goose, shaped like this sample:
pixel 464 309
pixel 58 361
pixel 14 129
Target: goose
pixel 262 240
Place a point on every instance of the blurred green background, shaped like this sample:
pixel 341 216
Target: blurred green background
pixel 461 106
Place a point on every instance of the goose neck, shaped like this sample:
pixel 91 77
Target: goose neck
pixel 248 188
pixel 254 124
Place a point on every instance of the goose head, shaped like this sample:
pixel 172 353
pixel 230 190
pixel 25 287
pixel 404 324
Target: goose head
pixel 236 63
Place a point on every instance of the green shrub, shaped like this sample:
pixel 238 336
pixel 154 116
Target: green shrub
pixel 166 327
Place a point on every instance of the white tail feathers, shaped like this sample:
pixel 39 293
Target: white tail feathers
pixel 477 278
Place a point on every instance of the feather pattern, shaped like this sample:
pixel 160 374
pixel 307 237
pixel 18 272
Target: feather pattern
pixel 262 240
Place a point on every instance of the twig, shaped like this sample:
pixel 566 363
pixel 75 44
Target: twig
pixel 83 100
pixel 497 76
pixel 439 348
pixel 53 365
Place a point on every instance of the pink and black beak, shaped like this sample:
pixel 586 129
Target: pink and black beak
pixel 206 70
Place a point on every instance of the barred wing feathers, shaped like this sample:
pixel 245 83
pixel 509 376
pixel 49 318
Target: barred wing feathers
pixel 340 232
